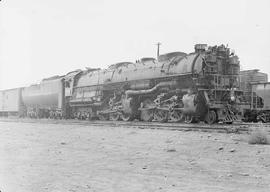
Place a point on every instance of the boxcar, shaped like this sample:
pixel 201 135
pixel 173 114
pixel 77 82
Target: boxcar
pixel 11 102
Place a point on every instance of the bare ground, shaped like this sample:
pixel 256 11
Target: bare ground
pixel 58 157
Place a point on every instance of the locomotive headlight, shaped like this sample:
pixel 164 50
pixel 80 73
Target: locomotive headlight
pixel 232 95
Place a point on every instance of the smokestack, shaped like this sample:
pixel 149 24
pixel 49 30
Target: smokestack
pixel 158 45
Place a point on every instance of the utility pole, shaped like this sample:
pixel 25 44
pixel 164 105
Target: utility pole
pixel 158 45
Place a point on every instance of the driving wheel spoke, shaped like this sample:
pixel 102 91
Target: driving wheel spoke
pixel 161 116
pixel 176 116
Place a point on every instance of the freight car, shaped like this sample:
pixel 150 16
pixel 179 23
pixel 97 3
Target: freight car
pixel 259 103
pixel 254 85
pixel 249 77
pixel 11 102
pixel 203 85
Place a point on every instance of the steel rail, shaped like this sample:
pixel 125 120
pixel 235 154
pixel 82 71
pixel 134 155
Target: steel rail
pixel 226 128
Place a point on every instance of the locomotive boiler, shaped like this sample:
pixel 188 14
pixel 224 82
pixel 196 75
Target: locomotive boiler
pixel 203 85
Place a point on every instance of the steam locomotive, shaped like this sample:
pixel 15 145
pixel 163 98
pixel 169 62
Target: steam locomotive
pixel 199 86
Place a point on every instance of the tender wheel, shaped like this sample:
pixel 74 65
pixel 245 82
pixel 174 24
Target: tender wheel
pixel 176 116
pixel 211 117
pixel 114 116
pixel 161 116
pixel 127 117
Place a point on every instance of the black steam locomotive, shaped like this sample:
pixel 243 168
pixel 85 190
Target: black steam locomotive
pixel 199 86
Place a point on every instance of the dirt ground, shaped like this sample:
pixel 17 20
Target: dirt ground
pixel 62 158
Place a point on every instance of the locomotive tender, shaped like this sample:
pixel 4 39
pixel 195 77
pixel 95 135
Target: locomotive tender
pixel 45 99
pixel 200 86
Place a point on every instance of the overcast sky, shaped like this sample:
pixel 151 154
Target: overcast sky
pixel 42 38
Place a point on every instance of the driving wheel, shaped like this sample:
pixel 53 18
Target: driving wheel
pixel 211 117
pixel 161 115
pixel 176 116
pixel 114 116
pixel 127 117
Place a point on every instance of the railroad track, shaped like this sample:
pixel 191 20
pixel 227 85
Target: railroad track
pixel 238 127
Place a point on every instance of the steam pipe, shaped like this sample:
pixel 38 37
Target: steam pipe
pixel 148 91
